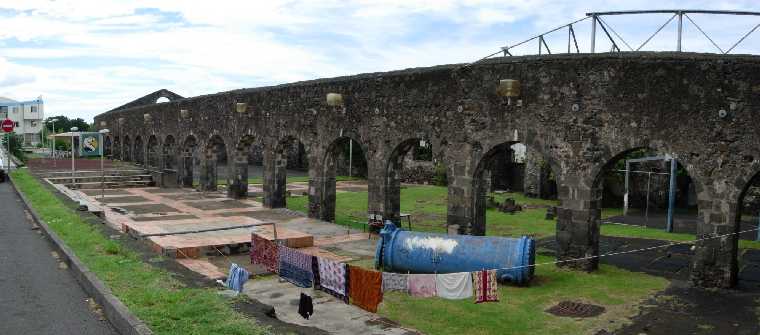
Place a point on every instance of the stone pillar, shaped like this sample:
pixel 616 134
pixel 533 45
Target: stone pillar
pixel 578 219
pixel 481 185
pixel 275 178
pixel 392 189
pixel 316 185
pixel 208 175
pixel 460 200
pixel 238 188
pixel 375 186
pixel 715 260
pixel 326 198
pixel 186 176
pixel 533 173
pixel 170 178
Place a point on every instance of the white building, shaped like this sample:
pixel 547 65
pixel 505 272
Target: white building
pixel 27 117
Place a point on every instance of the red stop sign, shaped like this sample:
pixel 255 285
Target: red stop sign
pixel 7 125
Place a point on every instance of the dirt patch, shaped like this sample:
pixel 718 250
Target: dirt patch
pixel 192 196
pixel 150 208
pixel 264 215
pixel 165 190
pixel 215 205
pixel 574 309
pixel 164 217
pixel 682 309
pixel 93 193
pixel 121 200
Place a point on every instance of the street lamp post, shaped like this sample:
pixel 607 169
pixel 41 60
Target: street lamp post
pixel 52 145
pixel 103 133
pixel 73 180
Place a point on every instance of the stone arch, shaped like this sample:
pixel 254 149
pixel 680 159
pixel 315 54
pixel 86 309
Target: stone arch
pixel 601 171
pixel 238 187
pixel 116 148
pixel 215 154
pixel 168 153
pixel 153 153
pixel 287 150
pixel 189 161
pixel 497 169
pixel 108 146
pixel 138 153
pixel 392 182
pixel 127 149
pixel 748 211
pixel 330 163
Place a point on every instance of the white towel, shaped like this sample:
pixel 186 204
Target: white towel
pixel 454 285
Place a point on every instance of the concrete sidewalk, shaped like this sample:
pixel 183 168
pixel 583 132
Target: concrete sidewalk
pixel 39 295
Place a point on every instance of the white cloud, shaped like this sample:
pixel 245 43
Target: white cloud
pixel 86 57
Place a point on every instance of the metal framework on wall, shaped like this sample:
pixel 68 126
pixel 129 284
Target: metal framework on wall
pixel 597 20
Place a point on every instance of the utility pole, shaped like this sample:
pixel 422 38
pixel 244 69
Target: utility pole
pixel 73 167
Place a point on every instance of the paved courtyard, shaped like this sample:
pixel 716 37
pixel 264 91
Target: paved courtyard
pixel 205 232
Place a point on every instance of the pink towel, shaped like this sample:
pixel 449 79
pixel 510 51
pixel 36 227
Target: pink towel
pixel 422 285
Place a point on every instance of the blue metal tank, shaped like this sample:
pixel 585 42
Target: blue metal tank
pixel 415 252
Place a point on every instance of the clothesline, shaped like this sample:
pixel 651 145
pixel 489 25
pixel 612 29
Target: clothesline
pixel 627 251
pixel 365 287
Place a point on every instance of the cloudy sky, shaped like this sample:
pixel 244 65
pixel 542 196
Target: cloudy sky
pixel 85 57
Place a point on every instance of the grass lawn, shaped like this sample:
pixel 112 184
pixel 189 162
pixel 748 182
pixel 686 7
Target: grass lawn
pixel 152 294
pixel 521 309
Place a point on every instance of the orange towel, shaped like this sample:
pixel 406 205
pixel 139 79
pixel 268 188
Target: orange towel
pixel 365 288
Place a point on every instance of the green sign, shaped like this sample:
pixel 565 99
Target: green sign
pixel 89 144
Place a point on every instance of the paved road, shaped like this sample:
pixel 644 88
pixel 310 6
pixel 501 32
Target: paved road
pixel 36 296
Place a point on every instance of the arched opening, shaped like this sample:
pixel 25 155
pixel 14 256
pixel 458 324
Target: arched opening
pixel 189 161
pixel 505 183
pixel 116 148
pixel 127 149
pixel 748 213
pixel 153 158
pixel 138 153
pixel 215 164
pixel 247 168
pixel 344 160
pixel 167 151
pixel 396 171
pixel 291 166
pixel 108 147
pixel 642 188
pixel 162 99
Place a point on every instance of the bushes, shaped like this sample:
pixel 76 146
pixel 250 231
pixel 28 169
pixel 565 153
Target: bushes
pixel 440 178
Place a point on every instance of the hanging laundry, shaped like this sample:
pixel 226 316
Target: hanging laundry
pixel 454 285
pixel 295 266
pixel 395 282
pixel 315 272
pixel 264 252
pixel 365 288
pixel 333 278
pixel 237 278
pixel 305 306
pixel 486 289
pixel 422 285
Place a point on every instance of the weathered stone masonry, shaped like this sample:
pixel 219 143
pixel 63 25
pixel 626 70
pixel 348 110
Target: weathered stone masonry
pixel 579 112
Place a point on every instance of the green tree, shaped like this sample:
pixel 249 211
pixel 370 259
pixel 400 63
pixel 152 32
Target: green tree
pixel 17 142
pixel 64 124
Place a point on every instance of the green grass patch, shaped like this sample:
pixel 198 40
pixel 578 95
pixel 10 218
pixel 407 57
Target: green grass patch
pixel 152 294
pixel 427 205
pixel 521 309
pixel 293 179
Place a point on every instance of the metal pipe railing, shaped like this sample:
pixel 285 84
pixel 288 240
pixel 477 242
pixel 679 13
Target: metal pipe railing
pixel 597 19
